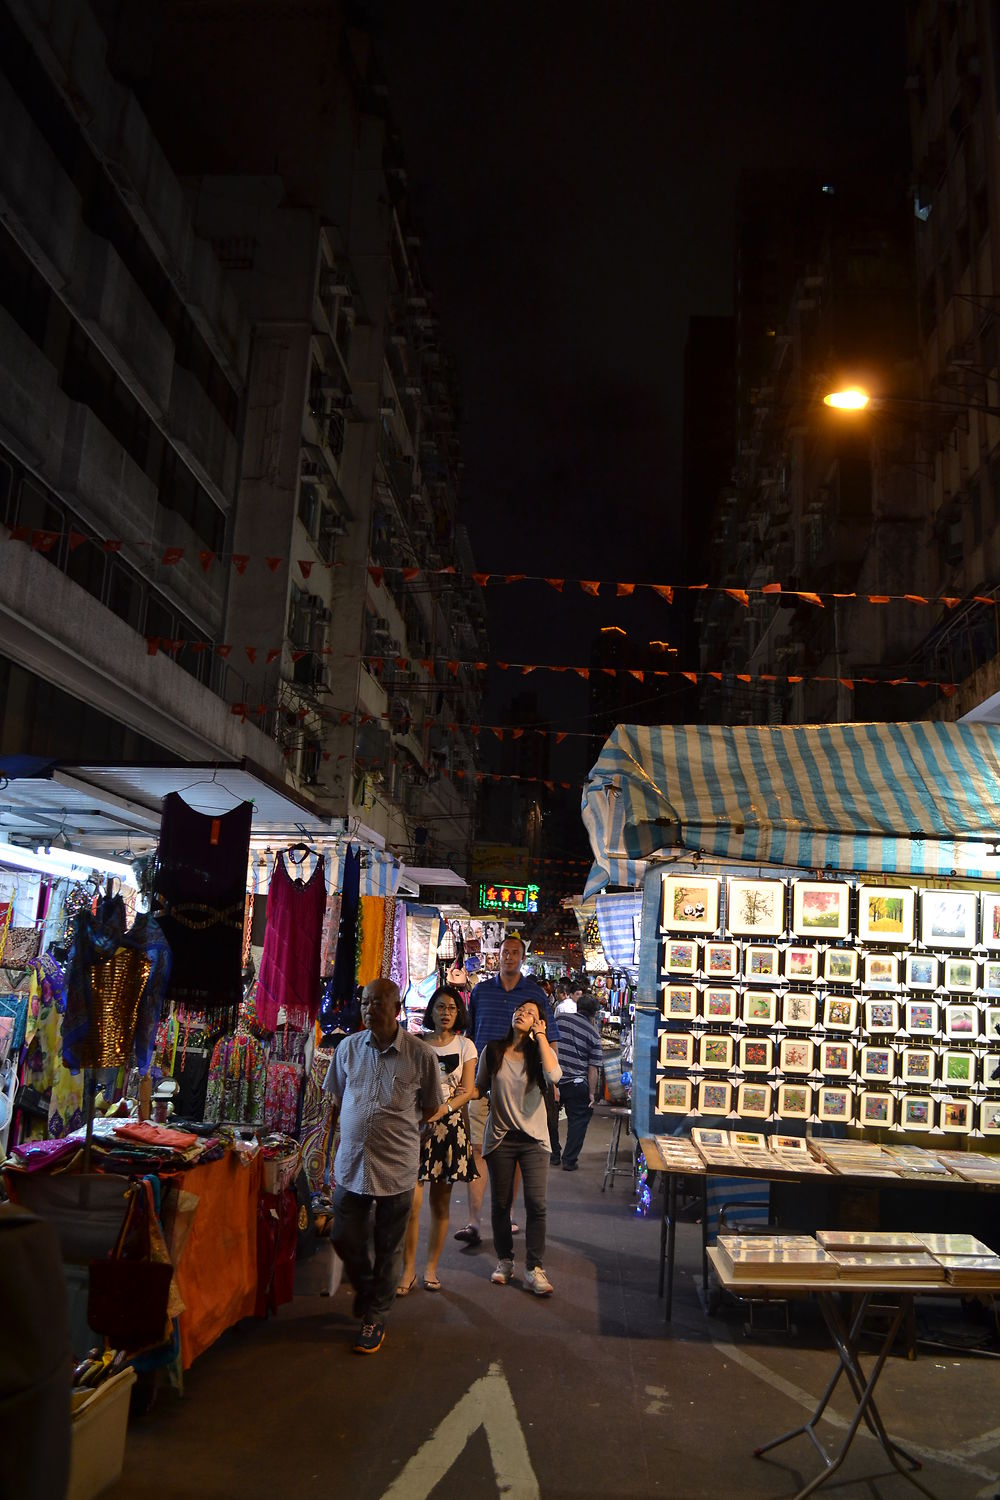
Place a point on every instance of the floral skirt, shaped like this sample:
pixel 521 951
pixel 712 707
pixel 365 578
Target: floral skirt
pixel 446 1151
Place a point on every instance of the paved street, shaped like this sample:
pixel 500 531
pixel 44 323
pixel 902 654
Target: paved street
pixel 484 1390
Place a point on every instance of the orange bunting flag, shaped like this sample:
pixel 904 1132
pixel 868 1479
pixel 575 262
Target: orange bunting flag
pixel 691 677
pixel 298 654
pixel 112 546
pixel 427 663
pixel 610 671
pixel 408 574
pixel 497 732
pixel 76 539
pixel 452 668
pixel 44 541
pixel 809 597
pixel 206 558
pixel 716 675
pixel 345 718
pixel 550 785
pixel 740 595
pixel 793 679
pixel 274 563
pixel 590 585
pixel 639 676
pixel 241 709
pixel 152 645
pixel 516 734
pixel 982 599
pixel 449 569
pixel 482 579
pixel 556 583
pixel 480 666
pixel 948 688
pixel 771 588
pixel 879 598
pixel 583 672
pixel 224 651
pixel 916 599
pixel 514 577
pixel 203 646
pixel 171 556
pixel 306 566
pixel 743 677
pixel 273 654
pixel 767 677
pixel 526 670
pixel 402 663
pixel 376 575
pixel 949 602
pixel 251 652
pixel 561 736
pixel 240 560
pixel 503 665
pixel 664 590
pixel 624 589
pixel 847 682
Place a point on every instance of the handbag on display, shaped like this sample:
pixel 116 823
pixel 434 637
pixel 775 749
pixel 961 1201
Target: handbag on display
pixel 128 1295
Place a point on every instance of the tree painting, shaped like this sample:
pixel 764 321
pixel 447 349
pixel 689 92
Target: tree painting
pixel 885 914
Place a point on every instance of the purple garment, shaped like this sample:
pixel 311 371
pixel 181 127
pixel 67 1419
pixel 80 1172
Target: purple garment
pixel 35 1156
pixel 398 972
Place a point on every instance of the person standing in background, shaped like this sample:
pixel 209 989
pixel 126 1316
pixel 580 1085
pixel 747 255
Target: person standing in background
pixel 581 1058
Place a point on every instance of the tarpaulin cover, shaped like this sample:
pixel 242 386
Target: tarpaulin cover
pixel 898 798
pixel 217 1266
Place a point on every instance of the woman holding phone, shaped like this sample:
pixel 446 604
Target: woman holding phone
pixel 516 1072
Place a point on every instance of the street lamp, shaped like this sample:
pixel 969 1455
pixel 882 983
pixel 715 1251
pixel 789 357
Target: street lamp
pixel 852 399
pixel 856 398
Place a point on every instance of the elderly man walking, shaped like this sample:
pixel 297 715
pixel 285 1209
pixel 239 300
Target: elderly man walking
pixel 386 1084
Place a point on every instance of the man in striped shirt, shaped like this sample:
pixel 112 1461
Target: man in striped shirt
pixel 581 1058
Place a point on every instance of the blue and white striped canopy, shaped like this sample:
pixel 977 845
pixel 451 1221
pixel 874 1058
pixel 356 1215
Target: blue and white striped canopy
pixel 901 798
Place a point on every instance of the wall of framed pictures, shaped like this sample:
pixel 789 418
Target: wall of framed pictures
pixel 837 1001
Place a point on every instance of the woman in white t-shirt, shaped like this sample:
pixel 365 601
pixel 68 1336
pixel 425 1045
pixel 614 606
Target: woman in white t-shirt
pixel 445 1148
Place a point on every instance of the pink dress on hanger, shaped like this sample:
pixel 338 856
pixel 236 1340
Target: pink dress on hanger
pixel 289 974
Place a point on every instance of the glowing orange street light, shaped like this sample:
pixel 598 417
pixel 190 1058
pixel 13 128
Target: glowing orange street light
pixel 852 399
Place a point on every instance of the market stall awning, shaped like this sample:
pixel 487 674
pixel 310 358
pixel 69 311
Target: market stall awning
pixel 426 875
pixel 920 798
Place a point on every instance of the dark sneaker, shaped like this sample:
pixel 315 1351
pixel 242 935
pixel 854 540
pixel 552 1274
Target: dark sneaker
pixel 369 1339
pixel 571 1166
pixel 470 1234
pixel 555 1159
pixel 503 1272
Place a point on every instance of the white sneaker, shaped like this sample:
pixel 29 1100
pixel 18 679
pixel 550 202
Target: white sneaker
pixel 503 1272
pixel 536 1281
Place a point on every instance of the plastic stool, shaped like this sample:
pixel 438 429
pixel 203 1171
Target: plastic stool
pixel 611 1168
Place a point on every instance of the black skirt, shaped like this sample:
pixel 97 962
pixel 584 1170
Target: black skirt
pixel 446 1151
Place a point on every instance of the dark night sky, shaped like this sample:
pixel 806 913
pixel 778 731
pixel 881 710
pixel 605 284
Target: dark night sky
pixel 573 168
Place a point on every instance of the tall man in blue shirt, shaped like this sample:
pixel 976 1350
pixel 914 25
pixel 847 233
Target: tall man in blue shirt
pixel 491 1011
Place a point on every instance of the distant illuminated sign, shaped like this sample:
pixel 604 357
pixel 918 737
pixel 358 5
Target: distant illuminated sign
pixel 499 896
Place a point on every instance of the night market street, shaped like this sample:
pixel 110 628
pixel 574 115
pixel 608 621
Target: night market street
pixel 606 1399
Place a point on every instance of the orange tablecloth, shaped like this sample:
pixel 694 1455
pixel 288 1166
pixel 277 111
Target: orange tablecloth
pixel 217 1265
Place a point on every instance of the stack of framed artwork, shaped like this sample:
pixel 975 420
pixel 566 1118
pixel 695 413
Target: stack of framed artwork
pixel 830 1000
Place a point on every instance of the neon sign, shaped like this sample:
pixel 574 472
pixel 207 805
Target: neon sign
pixel 499 896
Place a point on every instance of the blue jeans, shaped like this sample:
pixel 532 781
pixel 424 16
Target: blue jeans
pixel 575 1100
pixel 363 1224
pixel 533 1159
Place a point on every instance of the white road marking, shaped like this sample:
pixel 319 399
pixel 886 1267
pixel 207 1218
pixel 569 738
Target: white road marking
pixel 488 1404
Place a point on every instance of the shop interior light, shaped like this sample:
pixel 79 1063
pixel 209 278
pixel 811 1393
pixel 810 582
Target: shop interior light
pixel 48 861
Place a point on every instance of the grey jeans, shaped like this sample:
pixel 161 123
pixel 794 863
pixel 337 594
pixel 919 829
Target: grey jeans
pixel 363 1225
pixel 533 1159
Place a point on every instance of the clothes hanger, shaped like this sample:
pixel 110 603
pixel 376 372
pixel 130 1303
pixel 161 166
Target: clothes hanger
pixel 213 780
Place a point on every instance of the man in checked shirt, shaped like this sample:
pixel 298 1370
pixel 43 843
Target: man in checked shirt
pixel 386 1084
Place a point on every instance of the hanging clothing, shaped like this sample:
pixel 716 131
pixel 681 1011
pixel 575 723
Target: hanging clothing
pixel 317 1123
pixel 372 938
pixel 281 1099
pixel 331 931
pixel 397 970
pixel 43 1064
pixel 115 982
pixel 289 976
pixel 237 1081
pixel 199 890
pixel 388 938
pixel 346 962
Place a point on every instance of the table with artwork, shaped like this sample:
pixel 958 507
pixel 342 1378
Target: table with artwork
pixel 842 1164
pixel 834 1263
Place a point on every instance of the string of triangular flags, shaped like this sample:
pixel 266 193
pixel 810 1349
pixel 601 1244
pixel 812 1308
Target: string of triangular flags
pixel 45 541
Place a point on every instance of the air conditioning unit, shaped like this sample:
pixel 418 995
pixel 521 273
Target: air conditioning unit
pixel 332 284
pixel 381 630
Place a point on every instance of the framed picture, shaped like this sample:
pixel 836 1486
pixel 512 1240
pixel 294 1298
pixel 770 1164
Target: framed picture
pixel 961 975
pixel 916 1112
pixel 991 977
pixel 948 919
pixel 961 1021
pixel 754 1100
pixel 991 1070
pixel 881 971
pixel 877 1064
pixel 922 971
pixel 721 960
pixel 755 908
pixel 794 1101
pixel 795 1055
pixel 956 1115
pixel 715 1098
pixel 716 1052
pixel 835 1104
pixel 990 903
pixel 991 1023
pixel 760 964
pixel 885 914
pixel 680 956
pixel 836 1059
pixel 719 1003
pixel 958 1069
pixel 877 1109
pixel 802 964
pixel 840 966
pixel 989 1117
pixel 690 903
pixel 680 1002
pixel 840 1013
pixel 881 1015
pixel 760 1007
pixel 820 908
pixel 798 1009
pixel 676 1049
pixel 673 1096
pixel 921 1018
pixel 756 1054
pixel 919 1065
